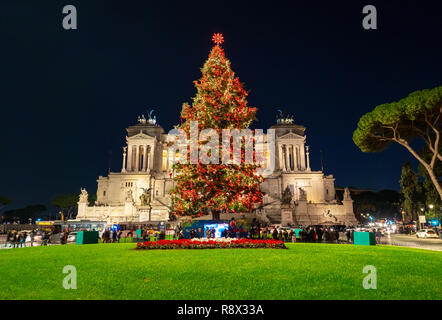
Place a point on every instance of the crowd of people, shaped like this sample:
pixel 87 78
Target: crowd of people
pixel 21 239
pixel 256 230
pixel 328 234
pixel 111 236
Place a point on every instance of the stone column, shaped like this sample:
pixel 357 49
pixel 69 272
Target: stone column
pixel 167 161
pixel 287 157
pixel 298 158
pixel 137 158
pixel 302 158
pixel 129 158
pixel 145 158
pixel 124 161
pixel 308 159
pixel 151 158
pixel 287 162
pixel 292 152
pixel 280 157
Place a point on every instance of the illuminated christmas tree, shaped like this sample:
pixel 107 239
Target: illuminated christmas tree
pixel 220 103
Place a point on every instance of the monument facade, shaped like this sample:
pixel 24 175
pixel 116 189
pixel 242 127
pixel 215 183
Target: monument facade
pixel 140 191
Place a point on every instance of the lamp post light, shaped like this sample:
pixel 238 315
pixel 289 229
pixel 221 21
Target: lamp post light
pixel 420 224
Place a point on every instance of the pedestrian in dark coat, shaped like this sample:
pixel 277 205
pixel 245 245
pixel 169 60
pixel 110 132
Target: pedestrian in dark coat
pixel 275 234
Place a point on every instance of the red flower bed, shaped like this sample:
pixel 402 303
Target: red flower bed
pixel 211 244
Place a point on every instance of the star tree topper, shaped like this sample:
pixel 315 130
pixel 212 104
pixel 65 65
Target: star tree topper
pixel 218 38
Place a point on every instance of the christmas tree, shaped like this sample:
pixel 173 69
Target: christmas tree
pixel 220 103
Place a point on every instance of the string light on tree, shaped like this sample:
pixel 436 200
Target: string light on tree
pixel 220 103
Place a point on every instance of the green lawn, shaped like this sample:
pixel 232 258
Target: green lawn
pixel 304 271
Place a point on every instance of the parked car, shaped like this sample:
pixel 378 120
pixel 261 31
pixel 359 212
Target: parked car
pixel 72 237
pixel 288 229
pixel 426 233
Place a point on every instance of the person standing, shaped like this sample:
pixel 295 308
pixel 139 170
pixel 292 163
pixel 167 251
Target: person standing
pixel 348 235
pixel 320 233
pixel 326 235
pixel 378 234
pixel 232 224
pixel 24 236
pixel 9 239
pixel 14 240
pixel 264 234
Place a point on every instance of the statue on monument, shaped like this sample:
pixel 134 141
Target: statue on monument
pixel 329 215
pixel 347 194
pixel 152 120
pixel 141 119
pixel 145 197
pixel 286 196
pixel 284 118
pixel 83 195
pixel 302 195
pixel 129 196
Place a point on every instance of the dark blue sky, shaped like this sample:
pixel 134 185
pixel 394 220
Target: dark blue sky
pixel 66 97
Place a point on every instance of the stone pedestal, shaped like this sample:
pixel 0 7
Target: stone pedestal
pixel 144 213
pixel 286 215
pixel 82 210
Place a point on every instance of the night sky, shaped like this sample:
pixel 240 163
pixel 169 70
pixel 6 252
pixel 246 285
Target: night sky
pixel 66 97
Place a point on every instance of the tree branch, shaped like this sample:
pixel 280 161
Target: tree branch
pixel 425 164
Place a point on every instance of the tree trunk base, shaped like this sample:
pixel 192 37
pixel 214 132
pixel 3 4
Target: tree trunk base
pixel 216 215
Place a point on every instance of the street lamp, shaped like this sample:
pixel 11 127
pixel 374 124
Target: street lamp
pixel 431 206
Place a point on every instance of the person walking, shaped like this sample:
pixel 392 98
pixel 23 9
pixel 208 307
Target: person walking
pixel 293 236
pixel 15 239
pixel 32 235
pixel 378 234
pixel 24 237
pixel 348 235
pixel 326 235
pixel 43 239
pixel 320 233
pixel 9 239
pixel 19 240
pixel 275 234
